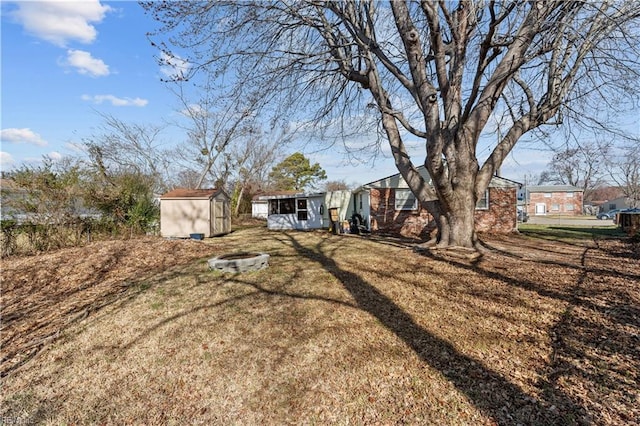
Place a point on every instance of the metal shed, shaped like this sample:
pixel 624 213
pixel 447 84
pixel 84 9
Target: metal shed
pixel 194 211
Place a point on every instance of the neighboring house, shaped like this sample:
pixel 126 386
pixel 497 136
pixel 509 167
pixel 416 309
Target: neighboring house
pixel 303 211
pixel 387 205
pixel 194 211
pixel 563 200
pixel 14 198
pixel 618 203
pixel 10 194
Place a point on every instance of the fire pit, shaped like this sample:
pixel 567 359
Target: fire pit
pixel 239 262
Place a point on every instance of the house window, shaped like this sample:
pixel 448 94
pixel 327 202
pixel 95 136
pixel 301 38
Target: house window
pixel 406 200
pixel 282 206
pixel 273 206
pixel 483 203
pixel 547 195
pixel 569 194
pixel 612 206
pixel 555 207
pixel 568 207
pixel 302 209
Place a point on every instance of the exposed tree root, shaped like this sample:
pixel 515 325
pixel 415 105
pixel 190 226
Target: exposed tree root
pixel 471 254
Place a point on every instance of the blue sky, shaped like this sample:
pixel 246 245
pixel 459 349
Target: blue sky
pixel 64 63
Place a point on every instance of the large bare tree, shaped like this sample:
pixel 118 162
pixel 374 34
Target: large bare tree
pixel 215 123
pixel 624 170
pixel 118 146
pixel 440 71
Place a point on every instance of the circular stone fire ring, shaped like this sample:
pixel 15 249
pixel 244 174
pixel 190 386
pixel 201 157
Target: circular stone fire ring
pixel 239 262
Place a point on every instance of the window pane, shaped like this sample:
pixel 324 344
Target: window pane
pixel 555 207
pixel 405 200
pixel 273 206
pixel 302 215
pixel 302 204
pixel 287 206
pixel 568 207
pixel 483 203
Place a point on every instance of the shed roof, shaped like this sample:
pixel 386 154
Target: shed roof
pixel 264 196
pixel 287 194
pixel 202 194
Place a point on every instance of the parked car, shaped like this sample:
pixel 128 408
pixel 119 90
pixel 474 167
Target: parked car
pixel 523 216
pixel 611 214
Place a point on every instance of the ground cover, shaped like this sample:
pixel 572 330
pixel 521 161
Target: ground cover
pixel 339 329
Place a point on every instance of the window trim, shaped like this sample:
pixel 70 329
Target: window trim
pixel 404 206
pixel 302 209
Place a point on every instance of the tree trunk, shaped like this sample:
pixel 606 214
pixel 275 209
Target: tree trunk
pixel 238 201
pixel 457 224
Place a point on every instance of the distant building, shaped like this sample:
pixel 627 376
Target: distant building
pixel 618 203
pixel 565 200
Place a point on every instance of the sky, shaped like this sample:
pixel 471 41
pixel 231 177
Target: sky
pixel 64 63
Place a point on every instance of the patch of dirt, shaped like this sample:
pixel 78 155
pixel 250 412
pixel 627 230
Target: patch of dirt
pixel 43 294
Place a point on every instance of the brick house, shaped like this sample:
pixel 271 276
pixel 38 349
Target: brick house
pixel 565 200
pixel 388 206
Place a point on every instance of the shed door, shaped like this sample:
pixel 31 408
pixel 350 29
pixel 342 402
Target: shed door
pixel 219 217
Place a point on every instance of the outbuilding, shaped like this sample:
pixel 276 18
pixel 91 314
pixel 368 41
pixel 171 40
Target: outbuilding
pixel 307 211
pixel 184 212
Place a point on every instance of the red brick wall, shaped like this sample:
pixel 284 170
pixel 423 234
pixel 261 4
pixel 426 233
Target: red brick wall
pixel 499 218
pixel 560 199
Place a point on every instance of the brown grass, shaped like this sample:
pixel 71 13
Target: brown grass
pixel 336 330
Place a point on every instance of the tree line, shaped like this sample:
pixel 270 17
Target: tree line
pixel 113 187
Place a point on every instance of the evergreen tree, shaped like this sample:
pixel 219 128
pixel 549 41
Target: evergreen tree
pixel 296 173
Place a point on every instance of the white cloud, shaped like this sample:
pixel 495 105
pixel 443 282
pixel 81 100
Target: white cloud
pixel 60 21
pixel 115 101
pixel 55 156
pixel 174 66
pixel 86 64
pixel 24 135
pixel 6 161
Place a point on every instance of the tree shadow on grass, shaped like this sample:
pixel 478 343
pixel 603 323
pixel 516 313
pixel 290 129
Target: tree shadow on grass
pixel 595 343
pixel 497 397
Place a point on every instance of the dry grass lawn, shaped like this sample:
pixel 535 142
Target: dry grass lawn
pixel 338 330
